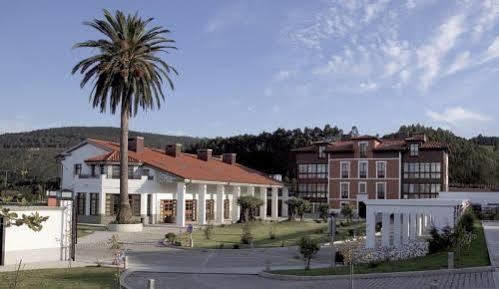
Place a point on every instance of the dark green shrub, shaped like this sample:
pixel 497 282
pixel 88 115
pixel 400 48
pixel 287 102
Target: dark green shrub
pixel 308 248
pixel 324 212
pixel 177 243
pixel 171 237
pixel 351 232
pixel 466 220
pixel 235 246
pixel 208 231
pixel 339 257
pixel 440 240
pixel 247 236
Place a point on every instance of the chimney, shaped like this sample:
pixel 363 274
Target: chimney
pixel 204 154
pixel 136 144
pixel 173 150
pixel 229 158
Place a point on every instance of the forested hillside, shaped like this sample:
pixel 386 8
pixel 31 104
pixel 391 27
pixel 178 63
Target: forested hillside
pixel 29 157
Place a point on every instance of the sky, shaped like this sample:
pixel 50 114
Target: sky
pixel 252 66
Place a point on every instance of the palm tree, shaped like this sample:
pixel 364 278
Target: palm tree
pixel 127 74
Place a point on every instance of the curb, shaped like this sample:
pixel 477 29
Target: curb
pixel 379 275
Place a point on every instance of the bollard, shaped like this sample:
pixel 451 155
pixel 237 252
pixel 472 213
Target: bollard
pixel 267 265
pixel 450 260
pixel 434 284
pixel 150 284
pixel 125 263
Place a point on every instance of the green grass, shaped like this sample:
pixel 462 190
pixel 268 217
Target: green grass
pixel 476 256
pixel 81 278
pixel 85 230
pixel 287 233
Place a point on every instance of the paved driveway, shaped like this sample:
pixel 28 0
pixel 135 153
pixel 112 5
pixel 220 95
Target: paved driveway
pixel 492 236
pixel 217 281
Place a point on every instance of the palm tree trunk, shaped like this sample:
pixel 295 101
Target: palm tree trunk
pixel 125 213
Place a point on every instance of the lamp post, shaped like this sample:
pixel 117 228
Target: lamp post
pixel 332 233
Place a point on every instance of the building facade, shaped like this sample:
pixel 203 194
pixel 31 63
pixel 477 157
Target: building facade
pixel 368 168
pixel 165 186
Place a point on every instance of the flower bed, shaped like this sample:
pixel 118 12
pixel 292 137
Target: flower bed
pixel 362 255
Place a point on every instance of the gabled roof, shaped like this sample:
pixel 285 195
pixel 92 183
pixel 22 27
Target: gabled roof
pixel 188 166
pixel 113 156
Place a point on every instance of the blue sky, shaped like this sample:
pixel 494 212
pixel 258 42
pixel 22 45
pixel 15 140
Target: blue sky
pixel 249 66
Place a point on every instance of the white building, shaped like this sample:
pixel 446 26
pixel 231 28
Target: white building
pixel 165 186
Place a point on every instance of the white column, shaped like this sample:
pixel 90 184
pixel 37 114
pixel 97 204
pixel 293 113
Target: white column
pixel 154 208
pixel 251 191
pixel 87 204
pixel 412 226
pixel 396 229
pixel 143 207
pixel 370 228
pixel 285 197
pixel 420 224
pixel 263 208
pixel 275 203
pixel 219 218
pixel 102 204
pixel 181 190
pixel 405 227
pixel 202 204
pixel 385 229
pixel 236 210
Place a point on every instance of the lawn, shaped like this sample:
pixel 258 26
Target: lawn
pixel 476 256
pixel 85 230
pixel 287 233
pixel 81 278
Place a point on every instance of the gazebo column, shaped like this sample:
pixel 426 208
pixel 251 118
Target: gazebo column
pixel 370 228
pixel 181 191
pixel 154 209
pixel 275 203
pixel 102 205
pixel 236 210
pixel 263 208
pixel 285 197
pixel 202 203
pixel 405 227
pixel 396 229
pixel 385 229
pixel 87 204
pixel 420 224
pixel 220 204
pixel 412 226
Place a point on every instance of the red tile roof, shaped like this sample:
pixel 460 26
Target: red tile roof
pixel 188 166
pixel 340 146
pixel 113 156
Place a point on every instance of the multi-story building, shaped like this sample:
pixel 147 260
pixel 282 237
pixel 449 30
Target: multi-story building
pixel 312 173
pixel 164 186
pixel 368 167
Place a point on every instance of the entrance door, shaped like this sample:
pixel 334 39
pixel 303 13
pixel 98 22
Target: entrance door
pixel 2 242
pixel 362 210
pixel 190 210
pixel 210 210
pixel 168 210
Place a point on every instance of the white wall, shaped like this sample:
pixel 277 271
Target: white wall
pixel 30 246
pixel 78 156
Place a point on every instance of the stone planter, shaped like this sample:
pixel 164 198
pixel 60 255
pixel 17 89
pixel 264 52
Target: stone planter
pixel 125 227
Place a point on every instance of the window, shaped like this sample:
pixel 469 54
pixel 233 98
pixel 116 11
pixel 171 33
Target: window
pixel 362 188
pixel 363 149
pixel 94 204
pixel 422 171
pixel 406 170
pixel 115 173
pixel 380 190
pixel 345 170
pixel 381 170
pixel 147 172
pixel 131 172
pixel 80 203
pixel 77 169
pixel 312 171
pixel 362 169
pixel 322 152
pixel 92 170
pixel 345 190
pixel 101 169
pixel 414 148
pixel 405 188
pixel 435 170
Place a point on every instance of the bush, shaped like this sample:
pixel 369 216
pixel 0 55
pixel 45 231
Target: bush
pixel 171 237
pixel 324 212
pixel 339 257
pixel 347 212
pixel 351 232
pixel 235 246
pixel 177 243
pixel 208 231
pixel 440 241
pixel 272 231
pixel 308 248
pixel 466 220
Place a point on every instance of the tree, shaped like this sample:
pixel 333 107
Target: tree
pixel 127 75
pixel 297 207
pixel 347 212
pixel 249 205
pixel 324 212
pixel 308 248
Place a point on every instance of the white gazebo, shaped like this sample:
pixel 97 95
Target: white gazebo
pixel 407 219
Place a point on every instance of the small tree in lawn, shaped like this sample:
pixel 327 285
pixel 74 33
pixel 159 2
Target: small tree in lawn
pixel 308 248
pixel 324 212
pixel 347 212
pixel 293 204
pixel 249 205
pixel 304 206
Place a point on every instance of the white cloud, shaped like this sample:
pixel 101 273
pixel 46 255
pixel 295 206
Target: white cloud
pixel 430 55
pixel 410 4
pixel 461 62
pixel 487 18
pixel 372 10
pixel 455 115
pixel 492 51
pixel 368 86
pixel 283 75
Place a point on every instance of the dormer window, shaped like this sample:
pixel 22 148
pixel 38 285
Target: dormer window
pixel 414 148
pixel 363 149
pixel 322 152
